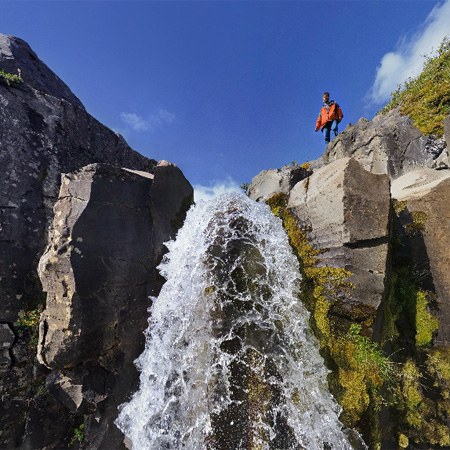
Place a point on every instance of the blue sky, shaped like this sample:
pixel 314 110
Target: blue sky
pixel 227 89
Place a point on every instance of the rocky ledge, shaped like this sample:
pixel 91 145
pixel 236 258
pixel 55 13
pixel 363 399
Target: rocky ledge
pixel 370 224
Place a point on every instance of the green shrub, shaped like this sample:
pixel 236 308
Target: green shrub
pixel 29 321
pixel 10 79
pixel 78 435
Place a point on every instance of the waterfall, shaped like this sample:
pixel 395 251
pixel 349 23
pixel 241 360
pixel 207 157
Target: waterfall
pixel 230 361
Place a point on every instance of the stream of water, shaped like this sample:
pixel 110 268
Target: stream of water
pixel 230 361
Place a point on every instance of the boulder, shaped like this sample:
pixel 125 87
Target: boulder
pixel 41 137
pixel 345 209
pixel 98 271
pixel 389 144
pixel 425 197
pixel 269 182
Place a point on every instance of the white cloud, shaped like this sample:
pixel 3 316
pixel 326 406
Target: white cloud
pixel 408 58
pixel 202 193
pixel 136 122
pixel 139 123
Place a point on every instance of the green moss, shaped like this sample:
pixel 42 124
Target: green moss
pixel 28 325
pixel 360 369
pixel 29 319
pixel 417 224
pixel 399 206
pixel 355 398
pixel 410 306
pixel 421 401
pixel 412 396
pixel 438 363
pixel 403 441
pixel 426 323
pixel 78 435
pixel 427 424
pixel 426 99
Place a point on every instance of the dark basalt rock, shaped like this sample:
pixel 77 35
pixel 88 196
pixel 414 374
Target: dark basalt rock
pixel 98 271
pixel 46 131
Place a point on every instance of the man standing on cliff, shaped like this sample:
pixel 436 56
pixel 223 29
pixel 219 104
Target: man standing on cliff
pixel 329 117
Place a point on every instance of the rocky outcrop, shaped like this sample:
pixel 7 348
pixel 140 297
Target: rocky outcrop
pixel 375 212
pixel 269 182
pixel 41 136
pixel 16 54
pixel 388 144
pixel 46 131
pixel 423 204
pixel 98 272
pixel 346 210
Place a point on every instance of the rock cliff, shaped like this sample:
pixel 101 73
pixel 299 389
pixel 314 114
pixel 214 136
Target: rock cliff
pixel 369 222
pixel 114 210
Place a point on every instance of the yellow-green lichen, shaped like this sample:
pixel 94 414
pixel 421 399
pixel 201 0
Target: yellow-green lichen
pixel 399 206
pixel 426 323
pixel 426 420
pixel 28 325
pixel 360 369
pixel 418 222
pixel 412 395
pixel 438 364
pixel 403 441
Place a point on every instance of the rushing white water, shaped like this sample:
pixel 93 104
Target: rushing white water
pixel 230 362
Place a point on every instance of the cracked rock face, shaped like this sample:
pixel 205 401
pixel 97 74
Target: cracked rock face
pixel 425 193
pixel 98 272
pixel 44 131
pixel 388 144
pixel 347 210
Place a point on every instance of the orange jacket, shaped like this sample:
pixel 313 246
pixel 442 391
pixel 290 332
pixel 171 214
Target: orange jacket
pixel 329 112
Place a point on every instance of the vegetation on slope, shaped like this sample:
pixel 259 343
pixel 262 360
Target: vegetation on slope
pixel 426 99
pixel 10 79
pixel 395 392
pixel 361 373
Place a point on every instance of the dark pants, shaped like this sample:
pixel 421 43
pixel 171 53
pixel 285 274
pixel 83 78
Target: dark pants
pixel 331 126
